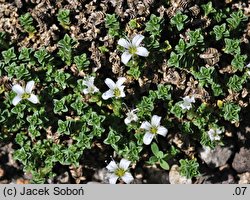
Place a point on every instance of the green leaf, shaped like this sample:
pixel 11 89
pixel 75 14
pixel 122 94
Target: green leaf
pixel 179 20
pixel 177 110
pixel 66 46
pixel 164 164
pixel 113 25
pixel 26 21
pixel 231 111
pixel 174 60
pixel 189 168
pixel 9 55
pixel 42 56
pixel 195 38
pixel 238 62
pixel 154 149
pixel 208 8
pixel 25 54
pixel 235 83
pixel 113 137
pixel 153 26
pixel 81 62
pixel 220 31
pixel 63 18
pixel 152 160
pixel 236 18
pixel 232 46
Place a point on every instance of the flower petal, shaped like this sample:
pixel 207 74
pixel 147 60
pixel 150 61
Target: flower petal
pixel 85 91
pixel 113 178
pixel 142 51
pixel 110 83
pixel 145 125
pixel 155 121
pixel 189 99
pixel 186 106
pixel 162 131
pixel 95 90
pixel 18 89
pixel 192 99
pixel 120 81
pixel 112 166
pixel 136 41
pixel 126 57
pixel 127 120
pixel 29 86
pixel 124 43
pixel 16 100
pixel 147 138
pixel 124 164
pixel 108 94
pixel 127 177
pixel 91 79
pixel 33 98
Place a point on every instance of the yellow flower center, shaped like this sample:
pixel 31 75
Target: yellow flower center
pixel 132 50
pixel 117 92
pixel 120 172
pixel 153 130
pixel 25 96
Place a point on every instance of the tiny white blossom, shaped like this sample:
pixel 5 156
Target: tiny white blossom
pixel 248 65
pixel 91 88
pixel 24 93
pixel 132 48
pixel 214 134
pixel 187 102
pixel 152 129
pixel 115 89
pixel 131 116
pixel 119 171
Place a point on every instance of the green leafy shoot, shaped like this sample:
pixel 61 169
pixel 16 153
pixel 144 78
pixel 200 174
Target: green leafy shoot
pixel 63 17
pixel 26 21
pixel 189 168
pixel 159 157
pixel 179 20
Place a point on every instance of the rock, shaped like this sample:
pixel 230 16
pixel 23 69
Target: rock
pixel 156 176
pixel 241 162
pixel 244 178
pixel 93 182
pixel 221 175
pixel 101 175
pixel 176 178
pixel 215 157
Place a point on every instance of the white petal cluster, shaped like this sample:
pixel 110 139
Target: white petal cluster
pixel 132 48
pixel 24 93
pixel 115 89
pixel 187 102
pixel 214 134
pixel 131 116
pixel 152 129
pixel 119 171
pixel 91 88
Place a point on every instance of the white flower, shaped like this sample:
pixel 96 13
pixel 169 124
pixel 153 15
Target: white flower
pixel 214 134
pixel 24 93
pixel 119 171
pixel 132 48
pixel 131 116
pixel 115 89
pixel 91 88
pixel 187 102
pixel 248 65
pixel 152 129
